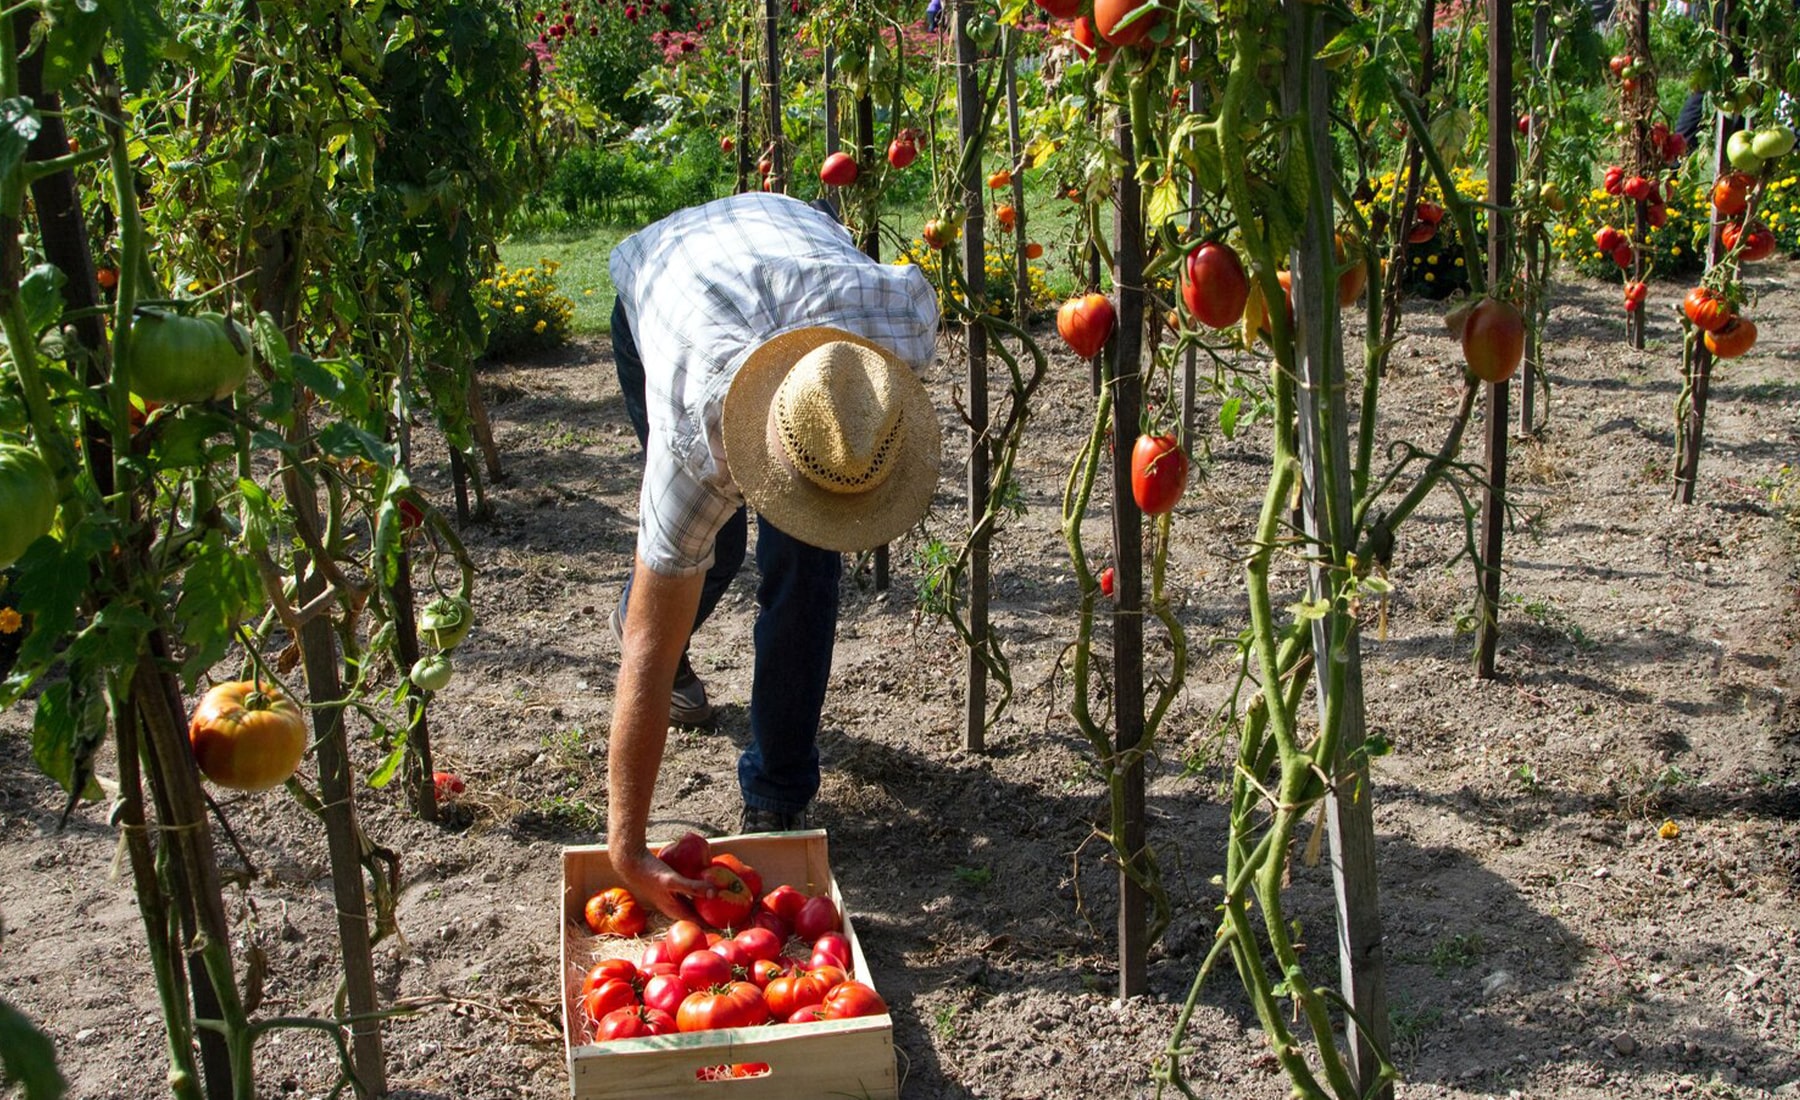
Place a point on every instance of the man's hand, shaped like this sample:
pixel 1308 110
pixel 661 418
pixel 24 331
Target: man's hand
pixel 653 883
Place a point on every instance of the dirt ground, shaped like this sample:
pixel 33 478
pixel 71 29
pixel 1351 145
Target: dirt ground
pixel 1544 939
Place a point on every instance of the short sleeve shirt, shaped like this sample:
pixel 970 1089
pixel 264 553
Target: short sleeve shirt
pixel 702 289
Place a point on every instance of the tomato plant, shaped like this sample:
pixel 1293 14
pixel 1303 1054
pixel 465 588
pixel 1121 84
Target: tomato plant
pixel 247 735
pixel 1159 473
pixel 615 912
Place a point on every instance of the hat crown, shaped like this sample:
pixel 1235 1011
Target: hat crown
pixel 840 417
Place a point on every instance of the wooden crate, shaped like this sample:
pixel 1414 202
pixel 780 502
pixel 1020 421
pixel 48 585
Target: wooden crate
pixel 829 1058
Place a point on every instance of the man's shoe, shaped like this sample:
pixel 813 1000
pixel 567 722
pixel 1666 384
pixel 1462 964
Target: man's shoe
pixel 771 821
pixel 687 702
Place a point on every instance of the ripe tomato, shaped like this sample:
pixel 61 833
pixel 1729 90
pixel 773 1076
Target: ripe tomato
pixel 770 922
pixel 902 153
pixel 1110 19
pixel 448 785
pixel 608 997
pixel 687 855
pixel 1731 193
pixel 1214 287
pixel 1086 323
pixel 1006 215
pixel 1736 337
pixel 704 968
pixel 1623 255
pixel 1614 182
pixel 614 912
pixel 1758 242
pixel 1636 188
pixel 784 901
pixel 247 736
pixel 665 992
pixel 737 1004
pixel 1159 472
pixel 1493 340
pixel 28 500
pixel 1082 31
pixel 790 993
pixel 1635 293
pixel 815 917
pixel 1707 309
pixel 1608 238
pixel 1353 279
pixel 751 877
pixel 1034 251
pixel 684 937
pixel 107 277
pixel 726 145
pixel 1061 9
pixel 1106 581
pixel 729 906
pixel 634 1023
pixel 733 953
pixel 839 170
pixel 764 971
pixel 1618 63
pixel 759 943
pixel 832 948
pixel 997 180
pixel 187 359
pixel 609 969
pixel 852 999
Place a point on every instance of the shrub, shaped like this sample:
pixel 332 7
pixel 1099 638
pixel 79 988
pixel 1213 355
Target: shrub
pixel 525 312
pixel 1677 250
pixel 631 184
pixel 999 263
pixel 1439 267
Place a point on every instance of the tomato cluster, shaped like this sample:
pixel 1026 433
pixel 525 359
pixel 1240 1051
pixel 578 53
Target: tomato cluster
pixel 770 958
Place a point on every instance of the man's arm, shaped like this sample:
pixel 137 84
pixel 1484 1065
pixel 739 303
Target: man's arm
pixel 658 620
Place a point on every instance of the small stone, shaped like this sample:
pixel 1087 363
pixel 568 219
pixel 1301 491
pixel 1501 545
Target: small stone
pixel 1624 1044
pixel 86 1034
pixel 1498 982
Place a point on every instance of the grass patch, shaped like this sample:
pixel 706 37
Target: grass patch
pixel 581 256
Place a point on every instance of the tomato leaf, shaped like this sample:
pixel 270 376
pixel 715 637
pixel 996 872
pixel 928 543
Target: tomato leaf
pixel 1228 416
pixel 219 587
pixel 344 440
pixel 142 29
pixel 41 294
pixel 183 438
pixel 66 731
pixel 28 1057
pixel 259 515
pixel 52 579
pixel 19 125
pixel 72 37
pixel 384 774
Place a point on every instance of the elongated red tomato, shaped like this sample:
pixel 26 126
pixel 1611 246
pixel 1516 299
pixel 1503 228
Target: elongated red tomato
pixel 1086 323
pixel 1114 20
pixel 1215 287
pixel 1159 472
pixel 1493 340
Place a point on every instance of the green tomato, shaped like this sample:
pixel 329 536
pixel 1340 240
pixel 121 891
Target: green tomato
pixel 187 359
pixel 27 500
pixel 445 622
pixel 1773 143
pixel 1740 151
pixel 984 32
pixel 432 673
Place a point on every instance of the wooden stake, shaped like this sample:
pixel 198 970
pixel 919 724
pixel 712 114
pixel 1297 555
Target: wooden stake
pixel 969 117
pixel 1501 171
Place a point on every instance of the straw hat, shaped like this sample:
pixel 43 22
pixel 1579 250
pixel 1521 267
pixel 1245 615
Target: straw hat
pixel 832 438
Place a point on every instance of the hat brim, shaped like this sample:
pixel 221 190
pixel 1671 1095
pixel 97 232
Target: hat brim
pixel 846 522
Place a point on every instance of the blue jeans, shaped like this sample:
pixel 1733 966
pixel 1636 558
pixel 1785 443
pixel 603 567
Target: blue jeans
pixel 796 626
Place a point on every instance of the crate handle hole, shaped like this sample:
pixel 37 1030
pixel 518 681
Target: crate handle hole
pixel 737 1071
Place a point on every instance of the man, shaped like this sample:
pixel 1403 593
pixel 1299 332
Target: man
pixel 763 359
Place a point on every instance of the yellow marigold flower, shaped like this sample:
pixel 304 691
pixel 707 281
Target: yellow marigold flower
pixel 1430 277
pixel 518 309
pixel 540 327
pixel 1669 830
pixel 10 621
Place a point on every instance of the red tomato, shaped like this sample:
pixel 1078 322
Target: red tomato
pixel 614 912
pixel 1159 472
pixel 732 952
pixel 1635 293
pixel 726 145
pixel 607 970
pixel 448 785
pixel 790 993
pixel 811 1014
pixel 816 917
pixel 609 996
pixel 1674 147
pixel 738 1004
pixel 633 1023
pixel 732 901
pixel 1214 286
pixel 687 856
pixel 1736 337
pixel 704 968
pixel 997 180
pixel 1110 14
pixel 1608 238
pixel 1614 180
pixel 833 948
pixel 684 937
pixel 1636 188
pixel 758 943
pixel 1731 193
pixel 665 992
pixel 1623 255
pixel 1086 323
pixel 839 170
pixel 852 999
pixel 1061 9
pixel 1493 340
pixel 1106 581
pixel 247 735
pixel 784 901
pixel 1034 251
pixel 1082 31
pixel 764 971
pixel 107 277
pixel 749 874
pixel 1618 63
pixel 1758 242
pixel 1006 215
pixel 902 153
pixel 1707 309
pixel 771 922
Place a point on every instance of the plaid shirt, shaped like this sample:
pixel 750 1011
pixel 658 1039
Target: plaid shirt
pixel 704 287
